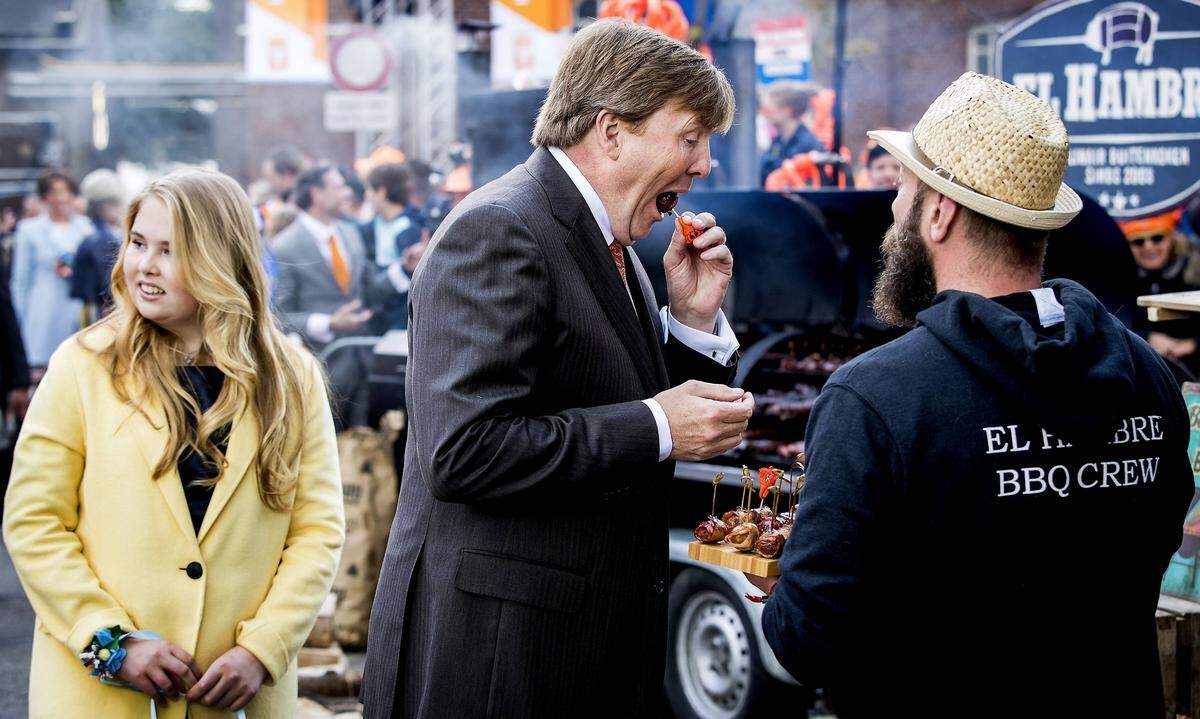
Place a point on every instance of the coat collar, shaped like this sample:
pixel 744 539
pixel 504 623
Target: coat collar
pixel 590 251
pixel 150 424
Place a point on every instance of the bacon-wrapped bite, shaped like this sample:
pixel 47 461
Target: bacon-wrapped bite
pixel 711 530
pixel 741 516
pixel 743 537
pixel 734 517
pixel 770 544
pixel 769 524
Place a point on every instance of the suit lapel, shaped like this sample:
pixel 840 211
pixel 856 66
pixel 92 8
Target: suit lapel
pixel 240 454
pixel 589 250
pixel 316 261
pixel 643 295
pixel 152 435
pixel 150 427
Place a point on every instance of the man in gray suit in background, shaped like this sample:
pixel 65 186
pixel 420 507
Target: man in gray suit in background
pixel 327 286
pixel 548 398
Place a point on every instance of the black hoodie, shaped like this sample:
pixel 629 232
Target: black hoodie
pixel 991 504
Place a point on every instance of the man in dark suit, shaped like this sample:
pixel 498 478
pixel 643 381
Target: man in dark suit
pixel 527 568
pixel 326 286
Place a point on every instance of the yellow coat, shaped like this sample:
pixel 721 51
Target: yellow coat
pixel 98 542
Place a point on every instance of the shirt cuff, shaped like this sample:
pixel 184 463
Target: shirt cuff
pixel 317 327
pixel 664 429
pixel 719 346
pixel 400 279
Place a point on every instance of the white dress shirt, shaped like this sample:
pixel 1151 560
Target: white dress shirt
pixel 719 346
pixel 317 324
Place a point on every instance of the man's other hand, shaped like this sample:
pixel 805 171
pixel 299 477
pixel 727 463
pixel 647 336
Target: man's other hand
pixel 705 419
pixel 349 317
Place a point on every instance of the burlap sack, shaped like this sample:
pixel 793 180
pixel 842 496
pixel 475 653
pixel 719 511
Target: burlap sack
pixel 369 487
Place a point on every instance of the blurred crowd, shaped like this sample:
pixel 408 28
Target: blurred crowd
pixel 340 245
pixel 797 140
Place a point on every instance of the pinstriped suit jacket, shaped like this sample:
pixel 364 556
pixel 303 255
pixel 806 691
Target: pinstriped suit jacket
pixel 526 570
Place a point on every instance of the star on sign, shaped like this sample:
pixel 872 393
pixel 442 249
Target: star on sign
pixel 1103 199
pixel 1119 201
pixel 1134 200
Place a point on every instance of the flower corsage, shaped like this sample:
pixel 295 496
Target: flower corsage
pixel 105 654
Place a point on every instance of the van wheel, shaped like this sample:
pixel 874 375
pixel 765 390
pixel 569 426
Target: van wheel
pixel 713 665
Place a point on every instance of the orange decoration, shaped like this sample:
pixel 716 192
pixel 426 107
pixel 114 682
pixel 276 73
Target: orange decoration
pixel 663 15
pixel 822 110
pixel 796 172
pixel 767 476
pixel 1153 225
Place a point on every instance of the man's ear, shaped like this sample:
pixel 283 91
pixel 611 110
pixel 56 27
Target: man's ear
pixel 608 132
pixel 942 215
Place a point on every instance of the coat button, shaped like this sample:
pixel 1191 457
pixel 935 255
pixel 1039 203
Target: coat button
pixel 194 570
pixel 660 586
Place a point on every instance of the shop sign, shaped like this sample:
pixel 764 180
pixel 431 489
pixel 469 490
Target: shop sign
pixel 1125 78
pixel 782 49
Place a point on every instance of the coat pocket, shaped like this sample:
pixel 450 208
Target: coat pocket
pixel 519 580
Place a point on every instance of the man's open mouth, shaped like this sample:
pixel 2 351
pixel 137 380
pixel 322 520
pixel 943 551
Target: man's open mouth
pixel 666 201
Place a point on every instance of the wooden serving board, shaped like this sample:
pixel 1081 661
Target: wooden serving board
pixel 723 555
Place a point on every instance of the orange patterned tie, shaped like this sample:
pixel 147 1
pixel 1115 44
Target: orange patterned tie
pixel 614 248
pixel 341 273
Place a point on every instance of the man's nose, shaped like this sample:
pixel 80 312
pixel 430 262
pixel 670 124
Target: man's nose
pixel 703 163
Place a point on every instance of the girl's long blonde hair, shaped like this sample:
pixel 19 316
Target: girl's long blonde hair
pixel 219 262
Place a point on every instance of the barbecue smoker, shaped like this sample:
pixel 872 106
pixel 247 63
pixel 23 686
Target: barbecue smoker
pixel 804 267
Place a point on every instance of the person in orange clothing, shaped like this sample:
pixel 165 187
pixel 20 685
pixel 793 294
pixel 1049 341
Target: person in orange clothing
pixel 1166 262
pixel 787 107
pixel 175 508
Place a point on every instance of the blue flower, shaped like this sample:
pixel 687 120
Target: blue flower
pixel 113 665
pixel 104 637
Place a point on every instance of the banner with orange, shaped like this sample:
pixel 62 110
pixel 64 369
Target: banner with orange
pixel 287 41
pixel 529 40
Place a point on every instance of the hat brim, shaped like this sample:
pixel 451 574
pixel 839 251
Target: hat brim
pixel 902 146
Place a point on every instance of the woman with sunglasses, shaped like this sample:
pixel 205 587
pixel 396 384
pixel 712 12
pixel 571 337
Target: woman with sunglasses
pixel 1167 262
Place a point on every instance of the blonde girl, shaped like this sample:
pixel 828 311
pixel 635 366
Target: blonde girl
pixel 174 511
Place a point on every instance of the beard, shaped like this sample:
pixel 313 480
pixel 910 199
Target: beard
pixel 906 284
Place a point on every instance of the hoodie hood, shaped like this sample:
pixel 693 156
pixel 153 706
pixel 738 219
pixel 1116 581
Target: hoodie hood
pixel 1076 379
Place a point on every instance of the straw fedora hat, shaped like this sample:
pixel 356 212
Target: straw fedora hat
pixel 994 148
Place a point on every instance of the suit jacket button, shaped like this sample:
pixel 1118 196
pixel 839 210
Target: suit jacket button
pixel 194 570
pixel 660 586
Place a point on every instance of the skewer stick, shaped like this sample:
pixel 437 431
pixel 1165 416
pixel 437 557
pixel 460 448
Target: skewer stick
pixel 747 490
pixel 716 483
pixel 775 500
pixel 798 484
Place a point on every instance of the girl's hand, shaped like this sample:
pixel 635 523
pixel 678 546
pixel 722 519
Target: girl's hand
pixel 158 668
pixel 231 682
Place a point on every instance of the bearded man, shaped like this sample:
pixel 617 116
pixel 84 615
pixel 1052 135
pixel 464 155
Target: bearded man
pixel 548 396
pixel 992 498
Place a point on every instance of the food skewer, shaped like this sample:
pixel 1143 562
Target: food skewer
pixel 716 483
pixel 797 484
pixel 665 203
pixel 747 490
